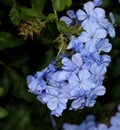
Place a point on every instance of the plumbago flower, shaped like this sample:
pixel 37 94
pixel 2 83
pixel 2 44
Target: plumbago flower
pixel 91 124
pixel 88 124
pixel 77 76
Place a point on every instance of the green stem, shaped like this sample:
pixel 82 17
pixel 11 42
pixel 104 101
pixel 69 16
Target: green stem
pixel 55 12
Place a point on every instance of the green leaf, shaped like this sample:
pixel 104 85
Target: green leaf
pixel 5 83
pixel 14 15
pixel 58 5
pixel 28 13
pixel 62 26
pixel 3 112
pixel 38 4
pixel 19 118
pixel 68 3
pixel 1 91
pixel 7 40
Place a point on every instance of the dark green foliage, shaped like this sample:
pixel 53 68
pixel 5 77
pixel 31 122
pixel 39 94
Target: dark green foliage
pixel 19 109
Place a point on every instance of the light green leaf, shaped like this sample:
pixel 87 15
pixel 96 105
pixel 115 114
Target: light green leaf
pixel 7 40
pixel 58 5
pixel 3 112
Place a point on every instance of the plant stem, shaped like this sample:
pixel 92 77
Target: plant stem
pixel 53 122
pixel 55 12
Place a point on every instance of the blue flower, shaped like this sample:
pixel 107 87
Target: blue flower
pixel 61 75
pixel 104 46
pixel 75 44
pixel 82 80
pixel 115 120
pixel 72 19
pixel 91 124
pixel 91 36
pixel 67 126
pixel 55 101
pixel 86 15
pixel 78 103
pixel 73 64
pixel 98 72
pixel 61 87
pixel 36 83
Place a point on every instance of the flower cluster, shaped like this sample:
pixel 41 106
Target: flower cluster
pixel 91 124
pixel 77 77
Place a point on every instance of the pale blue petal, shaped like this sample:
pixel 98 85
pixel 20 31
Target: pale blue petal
pixel 33 84
pixel 114 121
pixel 84 74
pixel 90 46
pixel 111 30
pixel 90 103
pixel 78 103
pixel 67 126
pixel 66 19
pixel 90 118
pixel 62 104
pixel 87 85
pixel 90 28
pixel 100 13
pixel 84 37
pixel 102 127
pixel 99 90
pixel 112 17
pixel 97 2
pixel 77 59
pixel 89 6
pixel 53 93
pixel 100 33
pixel 81 15
pixel 73 80
pixel 46 98
pixel 71 43
pixel 71 14
pixel 52 105
pixel 98 69
pixel 60 75
pixel 106 60
pixel 29 78
pixel 104 45
pixel 67 64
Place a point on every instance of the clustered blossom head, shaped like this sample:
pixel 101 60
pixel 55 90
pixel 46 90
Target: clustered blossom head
pixel 77 77
pixel 91 124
